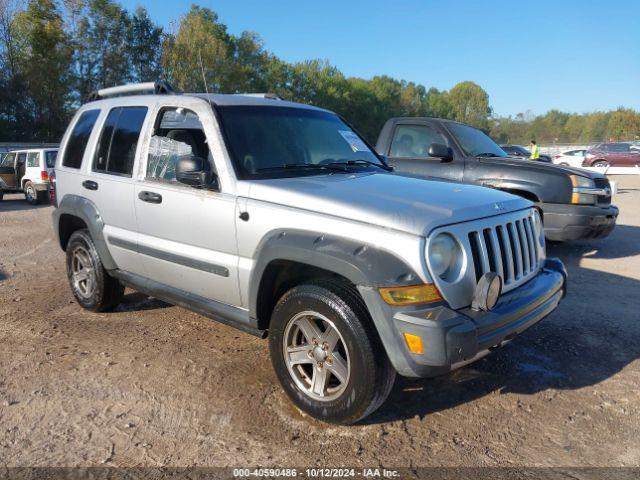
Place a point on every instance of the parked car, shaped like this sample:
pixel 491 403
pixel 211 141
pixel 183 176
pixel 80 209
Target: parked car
pixel 518 151
pixel 278 219
pixel 570 158
pixel 27 171
pixel 612 154
pixel 574 203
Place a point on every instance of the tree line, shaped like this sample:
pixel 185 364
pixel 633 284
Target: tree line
pixel 54 53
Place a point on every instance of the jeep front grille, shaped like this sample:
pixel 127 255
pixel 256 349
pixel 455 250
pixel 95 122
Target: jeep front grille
pixel 508 245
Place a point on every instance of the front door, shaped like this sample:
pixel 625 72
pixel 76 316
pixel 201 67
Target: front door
pixel 186 235
pixel 409 152
pixel 8 172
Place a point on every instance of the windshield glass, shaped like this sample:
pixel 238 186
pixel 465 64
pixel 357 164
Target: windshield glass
pixel 268 141
pixel 50 157
pixel 474 142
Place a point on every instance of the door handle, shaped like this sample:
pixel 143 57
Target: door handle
pixel 90 185
pixel 150 197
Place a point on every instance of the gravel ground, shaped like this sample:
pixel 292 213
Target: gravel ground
pixel 156 385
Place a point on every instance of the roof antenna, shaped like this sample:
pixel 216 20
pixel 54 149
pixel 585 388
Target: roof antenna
pixel 204 80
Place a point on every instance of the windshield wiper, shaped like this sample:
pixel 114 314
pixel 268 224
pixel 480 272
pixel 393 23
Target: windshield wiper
pixel 348 163
pixel 488 154
pixel 299 166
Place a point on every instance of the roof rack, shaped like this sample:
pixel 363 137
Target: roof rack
pixel 271 96
pixel 155 88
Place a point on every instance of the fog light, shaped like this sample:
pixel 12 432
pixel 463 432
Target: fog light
pixel 487 292
pixel 414 342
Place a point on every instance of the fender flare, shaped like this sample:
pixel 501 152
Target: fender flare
pixel 87 211
pixel 361 263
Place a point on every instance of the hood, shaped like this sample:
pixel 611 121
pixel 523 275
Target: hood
pixel 540 166
pixel 407 204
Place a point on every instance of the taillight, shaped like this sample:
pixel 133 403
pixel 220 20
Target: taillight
pixel 52 189
pixel 44 176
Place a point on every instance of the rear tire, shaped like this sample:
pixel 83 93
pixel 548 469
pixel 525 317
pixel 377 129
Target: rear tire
pixel 93 287
pixel 341 374
pixel 30 193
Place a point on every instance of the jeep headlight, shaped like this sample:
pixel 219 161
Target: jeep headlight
pixel 445 257
pixel 578 197
pixel 537 225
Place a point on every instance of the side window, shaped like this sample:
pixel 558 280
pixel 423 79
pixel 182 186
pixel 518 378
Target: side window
pixel 50 157
pixel 8 160
pixel 414 141
pixel 33 159
pixel 178 133
pixel 119 140
pixel 22 158
pixel 78 139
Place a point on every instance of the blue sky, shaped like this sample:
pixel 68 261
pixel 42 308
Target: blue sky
pixel 576 56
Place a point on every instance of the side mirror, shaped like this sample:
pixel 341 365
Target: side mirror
pixel 438 150
pixel 192 171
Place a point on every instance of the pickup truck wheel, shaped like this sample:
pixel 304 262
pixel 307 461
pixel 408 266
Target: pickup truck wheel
pixel 327 354
pixel 30 193
pixel 90 283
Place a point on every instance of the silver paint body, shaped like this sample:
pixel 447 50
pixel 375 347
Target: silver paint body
pixel 393 213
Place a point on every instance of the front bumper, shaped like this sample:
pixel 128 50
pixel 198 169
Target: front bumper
pixel 452 338
pixel 572 222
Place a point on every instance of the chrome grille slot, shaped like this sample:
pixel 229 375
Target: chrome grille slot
pixel 507 244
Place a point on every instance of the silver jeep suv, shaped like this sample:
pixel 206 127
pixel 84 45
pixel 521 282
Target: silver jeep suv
pixel 279 219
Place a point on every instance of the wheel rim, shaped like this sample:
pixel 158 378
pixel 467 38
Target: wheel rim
pixel 30 193
pixel 316 356
pixel 82 273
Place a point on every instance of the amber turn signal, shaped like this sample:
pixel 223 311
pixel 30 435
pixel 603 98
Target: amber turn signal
pixel 412 295
pixel 414 342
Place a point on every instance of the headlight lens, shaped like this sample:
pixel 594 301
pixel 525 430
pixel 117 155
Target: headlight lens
pixel 445 257
pixel 537 223
pixel 582 198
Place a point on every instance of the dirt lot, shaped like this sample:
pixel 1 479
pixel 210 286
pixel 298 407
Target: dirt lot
pixel 153 384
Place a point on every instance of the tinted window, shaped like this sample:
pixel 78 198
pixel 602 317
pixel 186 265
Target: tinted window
pixel 277 139
pixel 119 140
pixel 474 142
pixel 22 158
pixel 33 159
pixel 414 141
pixel 78 139
pixel 8 160
pixel 50 158
pixel 618 147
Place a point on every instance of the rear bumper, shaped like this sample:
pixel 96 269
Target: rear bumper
pixel 572 222
pixel 452 339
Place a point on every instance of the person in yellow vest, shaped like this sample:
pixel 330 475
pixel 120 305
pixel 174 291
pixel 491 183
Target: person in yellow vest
pixel 535 151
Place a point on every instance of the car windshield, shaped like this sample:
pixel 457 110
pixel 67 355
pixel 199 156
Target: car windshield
pixel 50 157
pixel 474 142
pixel 283 141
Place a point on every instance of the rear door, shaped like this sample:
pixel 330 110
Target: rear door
pixel 33 169
pixel 8 171
pixel 409 152
pixel 110 185
pixel 21 166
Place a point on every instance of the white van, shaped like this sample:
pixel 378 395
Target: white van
pixel 28 171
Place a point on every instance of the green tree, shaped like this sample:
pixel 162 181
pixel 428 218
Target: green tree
pixel 144 47
pixel 469 104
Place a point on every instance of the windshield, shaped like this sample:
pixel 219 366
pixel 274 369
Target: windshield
pixel 283 141
pixel 50 157
pixel 474 142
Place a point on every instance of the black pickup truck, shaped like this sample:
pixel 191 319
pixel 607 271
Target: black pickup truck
pixel 574 203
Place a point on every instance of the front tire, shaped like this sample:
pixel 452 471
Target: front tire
pixel 327 354
pixel 93 287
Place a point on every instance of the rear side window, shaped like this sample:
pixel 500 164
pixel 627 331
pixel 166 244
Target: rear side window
pixel 8 160
pixel 33 159
pixel 119 140
pixel 78 139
